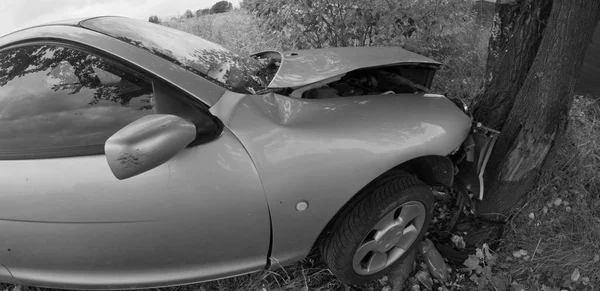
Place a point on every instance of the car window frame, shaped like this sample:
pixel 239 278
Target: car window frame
pixel 122 64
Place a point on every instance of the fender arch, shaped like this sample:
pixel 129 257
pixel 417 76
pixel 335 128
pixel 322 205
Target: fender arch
pixel 433 170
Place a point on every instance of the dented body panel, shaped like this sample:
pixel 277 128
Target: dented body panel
pixel 303 67
pixel 477 147
pixel 352 140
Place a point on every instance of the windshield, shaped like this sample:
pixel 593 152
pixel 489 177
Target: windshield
pixel 209 60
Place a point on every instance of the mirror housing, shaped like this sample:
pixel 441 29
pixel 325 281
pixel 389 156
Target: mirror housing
pixel 147 143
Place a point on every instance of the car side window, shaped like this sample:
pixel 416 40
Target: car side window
pixel 58 101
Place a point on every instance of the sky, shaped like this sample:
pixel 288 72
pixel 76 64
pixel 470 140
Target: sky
pixel 17 14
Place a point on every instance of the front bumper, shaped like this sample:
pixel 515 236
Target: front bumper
pixel 473 156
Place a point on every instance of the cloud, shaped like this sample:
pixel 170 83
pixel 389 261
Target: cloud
pixel 17 14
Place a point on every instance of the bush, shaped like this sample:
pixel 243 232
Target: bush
pixel 316 24
pixel 446 31
pixel 188 14
pixel 154 19
pixel 221 7
pixel 201 12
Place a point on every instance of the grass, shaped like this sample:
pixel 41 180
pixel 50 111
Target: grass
pixel 558 237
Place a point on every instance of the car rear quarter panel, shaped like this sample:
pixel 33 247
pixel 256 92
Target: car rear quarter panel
pixel 324 151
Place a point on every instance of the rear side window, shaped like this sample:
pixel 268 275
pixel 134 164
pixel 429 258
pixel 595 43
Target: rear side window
pixel 58 101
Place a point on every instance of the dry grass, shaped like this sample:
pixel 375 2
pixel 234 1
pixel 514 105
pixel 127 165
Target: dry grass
pixel 463 54
pixel 464 69
pixel 236 30
pixel 308 274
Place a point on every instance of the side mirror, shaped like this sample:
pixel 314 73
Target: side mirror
pixel 147 143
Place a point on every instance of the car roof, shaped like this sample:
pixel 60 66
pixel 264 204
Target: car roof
pixel 67 22
pixel 71 21
pixel 72 31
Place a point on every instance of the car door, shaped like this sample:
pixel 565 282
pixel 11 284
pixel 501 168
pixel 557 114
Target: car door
pixel 66 221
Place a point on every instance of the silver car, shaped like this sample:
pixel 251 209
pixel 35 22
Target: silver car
pixel 134 155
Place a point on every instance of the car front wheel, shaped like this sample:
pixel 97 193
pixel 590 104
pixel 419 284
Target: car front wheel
pixel 376 230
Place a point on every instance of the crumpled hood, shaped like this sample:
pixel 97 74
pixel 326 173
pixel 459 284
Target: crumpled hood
pixel 304 67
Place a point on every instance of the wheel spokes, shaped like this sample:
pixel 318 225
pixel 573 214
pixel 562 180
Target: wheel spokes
pixel 408 213
pixel 377 262
pixel 364 250
pixel 390 238
pixel 395 253
pixel 386 222
pixel 408 237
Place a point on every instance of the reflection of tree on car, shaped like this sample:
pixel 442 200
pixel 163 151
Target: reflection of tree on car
pixel 221 66
pixel 67 98
pixel 74 71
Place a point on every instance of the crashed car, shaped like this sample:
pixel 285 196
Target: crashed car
pixel 134 155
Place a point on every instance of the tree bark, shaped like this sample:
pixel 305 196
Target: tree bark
pixel 516 36
pixel 530 103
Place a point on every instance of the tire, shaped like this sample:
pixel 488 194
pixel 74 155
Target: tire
pixel 367 238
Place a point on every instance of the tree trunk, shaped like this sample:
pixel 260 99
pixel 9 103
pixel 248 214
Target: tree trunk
pixel 516 37
pixel 530 91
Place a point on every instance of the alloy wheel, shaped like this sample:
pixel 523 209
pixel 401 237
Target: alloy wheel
pixel 390 238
